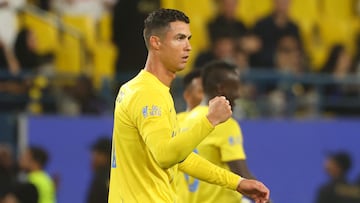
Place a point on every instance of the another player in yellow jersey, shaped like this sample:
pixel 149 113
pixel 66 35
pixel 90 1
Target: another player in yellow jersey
pixel 223 146
pixel 193 95
pixel 193 92
pixel 147 147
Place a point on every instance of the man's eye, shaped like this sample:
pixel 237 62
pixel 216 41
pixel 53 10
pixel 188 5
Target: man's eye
pixel 181 37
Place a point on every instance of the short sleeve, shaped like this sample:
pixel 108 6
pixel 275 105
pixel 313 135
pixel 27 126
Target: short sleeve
pixel 231 142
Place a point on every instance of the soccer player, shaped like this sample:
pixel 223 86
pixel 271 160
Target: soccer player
pixel 193 92
pixel 33 161
pixel 147 147
pixel 223 146
pixel 193 95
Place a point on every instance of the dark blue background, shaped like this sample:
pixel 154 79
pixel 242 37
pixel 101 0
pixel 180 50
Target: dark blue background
pixel 287 155
pixel 68 142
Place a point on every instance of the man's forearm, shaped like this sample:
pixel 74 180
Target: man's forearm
pixel 169 151
pixel 202 169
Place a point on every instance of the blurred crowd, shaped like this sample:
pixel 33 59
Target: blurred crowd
pixel 276 55
pixel 275 44
pixel 24 178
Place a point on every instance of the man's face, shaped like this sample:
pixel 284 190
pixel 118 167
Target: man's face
pixel 230 88
pixel 332 168
pixel 99 160
pixel 174 49
pixel 25 160
pixel 194 93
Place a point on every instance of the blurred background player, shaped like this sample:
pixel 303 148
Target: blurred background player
pixel 193 95
pixel 338 189
pixel 7 169
pixel 21 193
pixel 100 162
pixel 33 162
pixel 224 145
pixel 193 92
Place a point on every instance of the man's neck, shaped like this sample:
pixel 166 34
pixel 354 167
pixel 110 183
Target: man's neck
pixel 33 170
pixel 158 70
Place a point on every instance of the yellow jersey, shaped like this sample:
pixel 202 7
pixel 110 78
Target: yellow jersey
pixel 181 184
pixel 222 145
pixel 147 149
pixel 44 185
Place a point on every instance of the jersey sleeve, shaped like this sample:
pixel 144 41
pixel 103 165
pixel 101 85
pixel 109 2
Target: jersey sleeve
pixel 204 170
pixel 153 118
pixel 230 142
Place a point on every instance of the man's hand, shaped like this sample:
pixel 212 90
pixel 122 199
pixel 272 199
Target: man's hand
pixel 254 190
pixel 219 110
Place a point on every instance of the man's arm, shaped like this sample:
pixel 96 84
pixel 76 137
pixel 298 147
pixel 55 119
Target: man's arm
pixel 168 150
pixel 204 170
pixel 240 167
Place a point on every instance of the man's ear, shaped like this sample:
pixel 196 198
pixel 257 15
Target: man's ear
pixel 155 42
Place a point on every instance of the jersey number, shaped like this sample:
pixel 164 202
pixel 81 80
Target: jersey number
pixel 193 183
pixel 113 157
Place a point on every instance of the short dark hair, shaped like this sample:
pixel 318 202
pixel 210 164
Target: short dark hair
pixel 102 145
pixel 213 74
pixel 160 19
pixel 188 78
pixel 39 155
pixel 342 159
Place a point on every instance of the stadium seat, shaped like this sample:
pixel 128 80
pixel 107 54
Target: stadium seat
pixel 44 30
pixel 318 56
pixel 304 9
pixel 168 3
pixel 343 9
pixel 306 22
pixel 335 30
pixel 85 25
pixel 249 11
pixel 105 28
pixel 104 63
pixel 69 55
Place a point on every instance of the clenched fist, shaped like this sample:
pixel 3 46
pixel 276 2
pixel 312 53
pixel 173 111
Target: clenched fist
pixel 219 110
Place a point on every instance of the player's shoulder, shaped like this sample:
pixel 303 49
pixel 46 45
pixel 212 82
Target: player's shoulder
pixel 182 114
pixel 230 124
pixel 140 87
pixel 194 115
pixel 233 121
pixel 198 111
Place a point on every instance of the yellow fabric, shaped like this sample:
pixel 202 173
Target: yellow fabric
pixel 224 144
pixel 146 142
pixel 204 170
pixel 181 184
pixel 44 185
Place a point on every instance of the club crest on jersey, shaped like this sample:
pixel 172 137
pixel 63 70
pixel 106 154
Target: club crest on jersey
pixel 231 140
pixel 151 111
pixel 120 97
pixel 234 140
